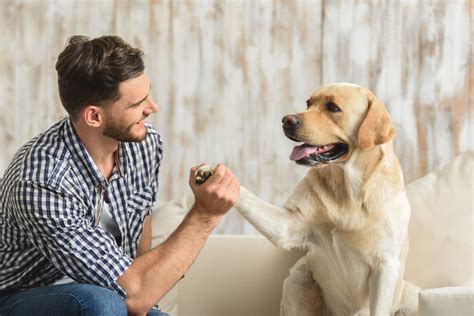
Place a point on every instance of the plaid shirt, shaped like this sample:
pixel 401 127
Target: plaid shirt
pixel 50 204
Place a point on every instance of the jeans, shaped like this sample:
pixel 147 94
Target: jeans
pixel 66 299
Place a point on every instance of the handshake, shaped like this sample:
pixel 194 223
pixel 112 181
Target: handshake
pixel 203 173
pixel 219 194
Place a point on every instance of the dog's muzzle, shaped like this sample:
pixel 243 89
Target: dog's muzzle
pixel 310 154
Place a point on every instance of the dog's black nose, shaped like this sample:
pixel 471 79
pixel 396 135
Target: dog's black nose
pixel 290 123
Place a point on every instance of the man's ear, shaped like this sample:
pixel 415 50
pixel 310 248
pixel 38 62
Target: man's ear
pixel 92 115
pixel 377 127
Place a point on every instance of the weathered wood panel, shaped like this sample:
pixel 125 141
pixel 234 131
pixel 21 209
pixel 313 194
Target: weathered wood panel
pixel 225 72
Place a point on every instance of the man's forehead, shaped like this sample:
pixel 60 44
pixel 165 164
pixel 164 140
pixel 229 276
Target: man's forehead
pixel 135 88
pixel 135 83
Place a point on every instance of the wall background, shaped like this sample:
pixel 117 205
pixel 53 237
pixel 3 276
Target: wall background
pixel 225 72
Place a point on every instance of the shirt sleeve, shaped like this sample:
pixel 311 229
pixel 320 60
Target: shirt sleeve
pixel 59 226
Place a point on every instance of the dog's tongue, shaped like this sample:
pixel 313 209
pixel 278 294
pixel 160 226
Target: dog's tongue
pixel 301 151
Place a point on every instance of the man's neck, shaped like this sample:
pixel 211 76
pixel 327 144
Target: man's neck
pixel 101 148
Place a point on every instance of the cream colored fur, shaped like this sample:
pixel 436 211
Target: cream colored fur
pixel 350 215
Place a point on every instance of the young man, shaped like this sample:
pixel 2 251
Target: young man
pixel 75 201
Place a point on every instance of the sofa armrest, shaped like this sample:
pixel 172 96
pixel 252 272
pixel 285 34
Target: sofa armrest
pixel 235 275
pixel 457 301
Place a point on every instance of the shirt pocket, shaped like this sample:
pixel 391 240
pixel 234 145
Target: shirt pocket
pixel 138 207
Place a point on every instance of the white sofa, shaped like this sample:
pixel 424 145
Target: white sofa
pixel 243 275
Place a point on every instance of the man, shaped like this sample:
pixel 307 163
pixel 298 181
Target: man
pixel 75 201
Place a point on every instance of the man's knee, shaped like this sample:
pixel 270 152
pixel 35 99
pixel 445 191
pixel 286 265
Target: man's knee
pixel 96 300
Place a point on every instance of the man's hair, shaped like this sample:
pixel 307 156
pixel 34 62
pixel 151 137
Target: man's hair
pixel 90 71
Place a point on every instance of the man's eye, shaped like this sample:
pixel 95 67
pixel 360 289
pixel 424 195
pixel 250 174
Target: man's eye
pixel 332 107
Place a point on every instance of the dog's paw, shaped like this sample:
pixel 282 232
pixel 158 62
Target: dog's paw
pixel 202 174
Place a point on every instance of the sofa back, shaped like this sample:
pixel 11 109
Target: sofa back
pixel 441 231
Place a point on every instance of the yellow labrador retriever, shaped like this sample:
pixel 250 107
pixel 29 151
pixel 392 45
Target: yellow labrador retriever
pixel 350 211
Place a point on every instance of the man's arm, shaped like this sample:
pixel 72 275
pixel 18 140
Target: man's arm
pixel 145 240
pixel 154 273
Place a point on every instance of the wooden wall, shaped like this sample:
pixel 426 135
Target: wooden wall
pixel 225 72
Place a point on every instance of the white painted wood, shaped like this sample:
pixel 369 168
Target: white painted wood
pixel 225 72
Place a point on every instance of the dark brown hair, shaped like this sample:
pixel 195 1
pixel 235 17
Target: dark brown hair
pixel 90 71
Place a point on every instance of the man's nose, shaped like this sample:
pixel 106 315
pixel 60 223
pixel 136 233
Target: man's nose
pixel 151 107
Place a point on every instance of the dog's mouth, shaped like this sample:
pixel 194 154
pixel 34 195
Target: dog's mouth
pixel 311 155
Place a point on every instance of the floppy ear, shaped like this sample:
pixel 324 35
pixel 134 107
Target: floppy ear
pixel 377 127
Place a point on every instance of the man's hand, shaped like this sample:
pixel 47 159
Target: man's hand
pixel 217 195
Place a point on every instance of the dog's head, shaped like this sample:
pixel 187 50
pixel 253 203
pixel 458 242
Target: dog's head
pixel 339 119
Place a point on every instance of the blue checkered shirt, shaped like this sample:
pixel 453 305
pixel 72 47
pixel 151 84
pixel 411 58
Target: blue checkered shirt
pixel 50 204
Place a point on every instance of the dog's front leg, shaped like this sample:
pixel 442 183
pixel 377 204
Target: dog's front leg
pixel 281 226
pixel 382 285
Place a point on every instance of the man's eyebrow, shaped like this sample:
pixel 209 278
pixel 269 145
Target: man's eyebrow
pixel 137 103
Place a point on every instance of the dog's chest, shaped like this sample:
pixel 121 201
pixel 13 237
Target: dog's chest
pixel 340 269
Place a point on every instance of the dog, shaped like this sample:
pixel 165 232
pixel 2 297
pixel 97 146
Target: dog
pixel 350 212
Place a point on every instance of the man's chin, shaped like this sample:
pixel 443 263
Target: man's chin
pixel 128 136
pixel 141 138
pixel 134 138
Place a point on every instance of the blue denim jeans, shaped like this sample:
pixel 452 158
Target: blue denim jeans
pixel 66 299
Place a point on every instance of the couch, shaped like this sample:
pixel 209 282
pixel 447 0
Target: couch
pixel 243 275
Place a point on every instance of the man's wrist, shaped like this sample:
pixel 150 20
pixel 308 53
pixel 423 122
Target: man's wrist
pixel 202 215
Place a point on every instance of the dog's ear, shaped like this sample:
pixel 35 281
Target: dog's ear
pixel 377 127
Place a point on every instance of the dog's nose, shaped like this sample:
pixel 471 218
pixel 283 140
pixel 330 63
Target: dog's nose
pixel 290 122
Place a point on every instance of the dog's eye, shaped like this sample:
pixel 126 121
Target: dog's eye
pixel 331 107
pixel 308 103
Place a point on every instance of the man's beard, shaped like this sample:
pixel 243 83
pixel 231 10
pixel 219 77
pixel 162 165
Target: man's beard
pixel 122 134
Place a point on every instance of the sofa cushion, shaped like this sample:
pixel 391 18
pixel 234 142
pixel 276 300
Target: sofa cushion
pixel 441 226
pixel 236 275
pixel 457 301
pixel 165 219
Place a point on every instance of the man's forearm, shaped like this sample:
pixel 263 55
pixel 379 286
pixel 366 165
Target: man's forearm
pixel 145 239
pixel 154 273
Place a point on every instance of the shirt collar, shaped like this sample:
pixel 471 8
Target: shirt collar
pixel 83 159
pixel 120 159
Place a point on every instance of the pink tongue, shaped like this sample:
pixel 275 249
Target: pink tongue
pixel 301 151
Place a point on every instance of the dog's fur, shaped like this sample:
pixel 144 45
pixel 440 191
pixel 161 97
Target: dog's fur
pixel 350 213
